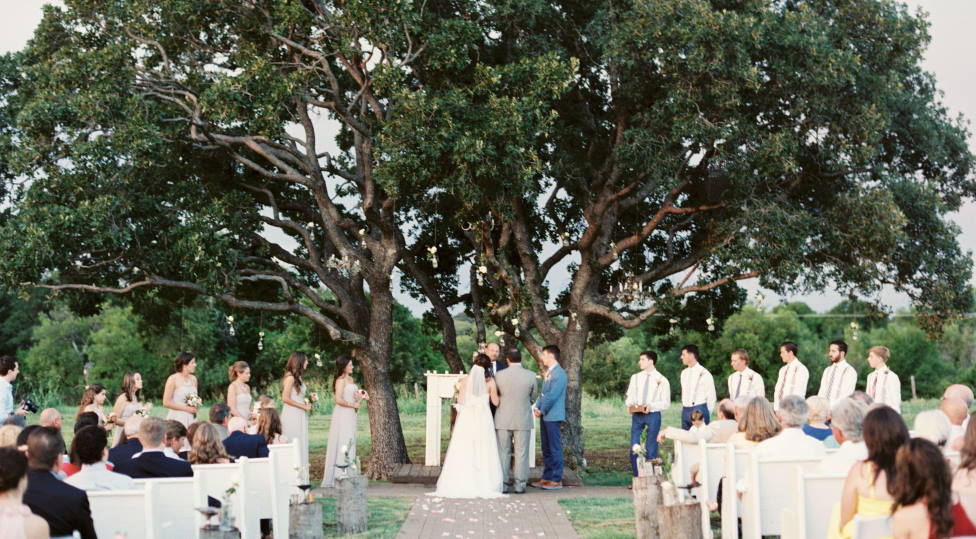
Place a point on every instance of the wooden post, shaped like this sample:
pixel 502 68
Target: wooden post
pixel 351 504
pixel 914 395
pixel 647 498
pixel 681 520
pixel 305 521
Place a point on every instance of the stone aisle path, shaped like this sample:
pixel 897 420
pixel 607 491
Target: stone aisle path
pixel 519 517
pixel 531 515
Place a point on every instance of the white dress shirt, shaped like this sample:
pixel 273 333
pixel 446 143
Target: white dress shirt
pixel 697 387
pixel 692 435
pixel 792 380
pixel 649 388
pixel 6 399
pixel 791 443
pixel 98 477
pixel 884 386
pixel 839 462
pixel 838 381
pixel 746 382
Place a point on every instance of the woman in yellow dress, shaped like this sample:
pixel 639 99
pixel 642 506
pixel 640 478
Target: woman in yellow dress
pixel 866 491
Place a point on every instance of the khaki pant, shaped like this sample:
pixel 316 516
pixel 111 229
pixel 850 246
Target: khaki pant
pixel 520 473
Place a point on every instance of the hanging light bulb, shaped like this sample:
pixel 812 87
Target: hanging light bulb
pixel 711 323
pixel 230 325
pixel 673 322
pixel 854 331
pixel 432 255
pixel 260 341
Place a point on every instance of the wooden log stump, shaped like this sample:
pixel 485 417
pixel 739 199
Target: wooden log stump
pixel 351 504
pixel 305 521
pixel 647 498
pixel 680 520
pixel 215 532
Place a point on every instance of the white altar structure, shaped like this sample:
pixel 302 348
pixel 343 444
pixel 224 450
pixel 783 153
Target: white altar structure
pixel 439 387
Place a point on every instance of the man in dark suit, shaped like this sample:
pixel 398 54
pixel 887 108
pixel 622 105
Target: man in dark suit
pixel 152 462
pixel 241 444
pixel 493 351
pixel 64 507
pixel 124 452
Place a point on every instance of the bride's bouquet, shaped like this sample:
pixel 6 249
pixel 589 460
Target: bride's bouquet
pixel 144 410
pixel 312 398
pixel 193 400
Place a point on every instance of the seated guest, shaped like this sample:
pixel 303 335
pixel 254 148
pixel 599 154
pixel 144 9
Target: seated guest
pixel 219 416
pixel 817 423
pixel 265 401
pixel 922 492
pixel 124 452
pixel 190 431
pixel 956 412
pixel 859 395
pixel 791 441
pixel 964 484
pixel 8 435
pixel 176 439
pixel 965 394
pixel 64 507
pixel 241 444
pixel 269 426
pixel 739 405
pixel 51 418
pixel 24 434
pixel 68 465
pixel 757 423
pixel 207 447
pixel 152 462
pixel 866 490
pixel 89 449
pixel 16 519
pixel 717 432
pixel 933 425
pixel 847 417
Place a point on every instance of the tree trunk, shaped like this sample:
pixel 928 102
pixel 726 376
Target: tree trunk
pixel 682 520
pixel 571 348
pixel 388 449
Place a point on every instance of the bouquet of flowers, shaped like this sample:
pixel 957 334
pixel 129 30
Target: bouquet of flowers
pixel 312 399
pixel 362 394
pixel 193 400
pixel 144 410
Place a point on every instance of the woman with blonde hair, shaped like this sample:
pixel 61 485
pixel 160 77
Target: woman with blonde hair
pixel 758 423
pixel 207 447
pixel 8 435
pixel 295 409
pixel 816 426
pixel 238 392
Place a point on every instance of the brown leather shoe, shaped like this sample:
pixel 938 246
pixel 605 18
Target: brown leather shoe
pixel 552 485
pixel 538 484
pixel 630 486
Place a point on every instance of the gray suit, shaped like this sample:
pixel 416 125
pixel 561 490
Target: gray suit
pixel 513 420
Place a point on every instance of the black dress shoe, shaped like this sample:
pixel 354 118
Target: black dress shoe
pixel 519 491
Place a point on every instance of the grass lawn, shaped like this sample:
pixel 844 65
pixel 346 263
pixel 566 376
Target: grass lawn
pixel 601 518
pixel 386 516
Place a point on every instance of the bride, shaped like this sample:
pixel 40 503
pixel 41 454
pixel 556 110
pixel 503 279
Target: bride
pixel 471 467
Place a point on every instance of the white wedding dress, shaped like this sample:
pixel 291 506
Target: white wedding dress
pixel 471 467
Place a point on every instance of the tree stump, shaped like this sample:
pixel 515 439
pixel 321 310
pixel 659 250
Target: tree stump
pixel 351 504
pixel 305 521
pixel 216 533
pixel 681 520
pixel 647 498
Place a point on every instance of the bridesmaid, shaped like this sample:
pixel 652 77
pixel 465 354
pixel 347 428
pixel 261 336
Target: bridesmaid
pixel 127 403
pixel 239 393
pixel 294 413
pixel 179 386
pixel 342 429
pixel 93 400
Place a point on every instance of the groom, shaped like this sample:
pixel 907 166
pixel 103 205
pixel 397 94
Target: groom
pixel 551 408
pixel 513 419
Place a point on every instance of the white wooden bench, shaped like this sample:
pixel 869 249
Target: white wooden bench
pixel 215 480
pixel 711 468
pixel 122 511
pixel 285 465
pixel 686 455
pixel 808 510
pixel 735 465
pixel 768 487
pixel 172 507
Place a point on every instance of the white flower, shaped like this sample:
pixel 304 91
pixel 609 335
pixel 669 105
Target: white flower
pixel 515 321
pixel 637 449
pixel 499 333
pixel 432 250
pixel 362 231
pixel 482 269
pixel 318 356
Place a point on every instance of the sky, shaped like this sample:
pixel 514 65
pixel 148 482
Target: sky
pixel 952 22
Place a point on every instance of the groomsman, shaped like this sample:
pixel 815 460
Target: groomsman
pixel 697 386
pixel 840 378
pixel 793 376
pixel 551 409
pixel 883 385
pixel 744 381
pixel 648 394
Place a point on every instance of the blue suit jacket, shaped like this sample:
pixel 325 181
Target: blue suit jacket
pixel 552 403
pixel 154 464
pixel 123 453
pixel 240 444
pixel 64 507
